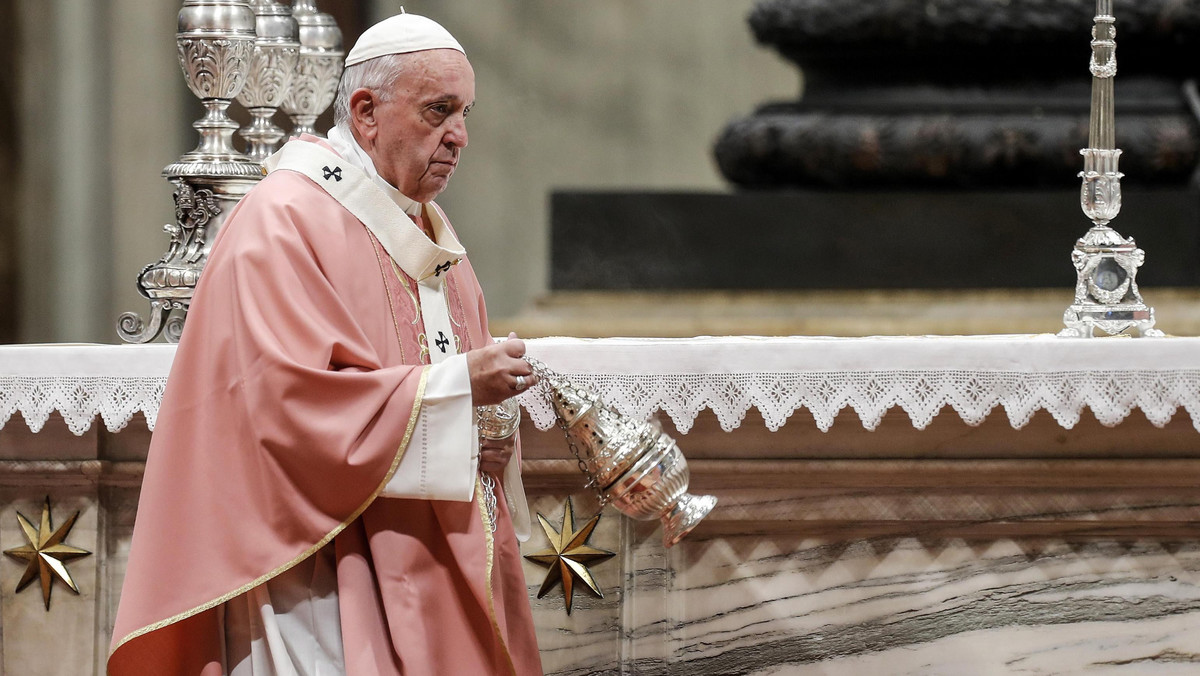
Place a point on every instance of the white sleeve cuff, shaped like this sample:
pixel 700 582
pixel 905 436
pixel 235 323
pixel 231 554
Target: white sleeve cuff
pixel 442 458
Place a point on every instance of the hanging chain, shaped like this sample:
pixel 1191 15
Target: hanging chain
pixel 546 377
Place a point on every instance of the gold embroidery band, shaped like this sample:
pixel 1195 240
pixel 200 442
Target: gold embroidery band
pixel 412 422
pixel 416 303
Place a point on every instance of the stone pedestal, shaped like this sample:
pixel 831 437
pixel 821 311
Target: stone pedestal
pixel 877 239
pixel 964 93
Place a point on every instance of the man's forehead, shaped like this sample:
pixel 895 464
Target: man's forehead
pixel 447 75
pixel 436 58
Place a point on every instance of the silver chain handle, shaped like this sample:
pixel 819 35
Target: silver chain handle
pixel 545 376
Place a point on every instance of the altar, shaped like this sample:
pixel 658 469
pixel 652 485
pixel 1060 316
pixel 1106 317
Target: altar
pixel 887 505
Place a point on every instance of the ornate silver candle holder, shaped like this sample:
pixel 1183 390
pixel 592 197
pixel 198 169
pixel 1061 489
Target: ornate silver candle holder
pixel 631 463
pixel 216 44
pixel 319 69
pixel 276 54
pixel 1106 292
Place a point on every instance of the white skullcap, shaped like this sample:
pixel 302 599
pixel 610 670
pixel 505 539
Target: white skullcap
pixel 401 34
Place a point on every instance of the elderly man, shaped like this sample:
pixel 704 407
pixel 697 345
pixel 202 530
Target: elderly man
pixel 316 498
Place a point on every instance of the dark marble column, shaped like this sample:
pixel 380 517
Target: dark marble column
pixel 965 93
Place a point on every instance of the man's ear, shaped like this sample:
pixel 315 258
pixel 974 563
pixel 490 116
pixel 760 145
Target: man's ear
pixel 362 113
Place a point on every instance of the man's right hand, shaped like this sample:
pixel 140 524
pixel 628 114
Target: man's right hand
pixel 494 371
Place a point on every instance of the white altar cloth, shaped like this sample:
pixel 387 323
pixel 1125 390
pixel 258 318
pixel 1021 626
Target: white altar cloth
pixel 921 375
pixel 81 381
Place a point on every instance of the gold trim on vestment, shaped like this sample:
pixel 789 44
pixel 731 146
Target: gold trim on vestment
pixel 490 538
pixel 423 343
pixel 412 423
pixel 417 316
pixel 452 288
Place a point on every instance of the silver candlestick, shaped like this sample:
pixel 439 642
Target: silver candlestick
pixel 215 46
pixel 631 463
pixel 276 53
pixel 319 69
pixel 1106 264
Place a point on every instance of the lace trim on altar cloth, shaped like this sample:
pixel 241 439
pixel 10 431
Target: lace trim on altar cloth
pixel 971 376
pixel 1111 395
pixel 80 400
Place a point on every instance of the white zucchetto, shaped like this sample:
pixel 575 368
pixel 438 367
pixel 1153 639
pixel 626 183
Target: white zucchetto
pixel 401 34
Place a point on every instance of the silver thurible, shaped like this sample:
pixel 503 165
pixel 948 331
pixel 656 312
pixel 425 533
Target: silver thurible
pixel 632 464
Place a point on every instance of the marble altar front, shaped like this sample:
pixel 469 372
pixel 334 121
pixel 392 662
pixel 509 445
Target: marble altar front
pixel 998 505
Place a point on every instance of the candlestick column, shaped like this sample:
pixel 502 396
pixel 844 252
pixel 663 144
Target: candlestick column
pixel 1106 292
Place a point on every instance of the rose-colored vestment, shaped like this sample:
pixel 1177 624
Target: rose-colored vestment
pixel 289 405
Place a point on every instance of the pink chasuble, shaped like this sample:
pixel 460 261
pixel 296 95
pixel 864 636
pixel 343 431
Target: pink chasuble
pixel 291 400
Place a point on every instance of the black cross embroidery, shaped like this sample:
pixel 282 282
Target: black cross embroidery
pixel 335 172
pixel 444 267
pixel 442 341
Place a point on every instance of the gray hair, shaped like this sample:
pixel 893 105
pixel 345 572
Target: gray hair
pixel 378 75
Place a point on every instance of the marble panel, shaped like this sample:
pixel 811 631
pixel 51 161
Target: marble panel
pixel 120 508
pixel 54 441
pixel 900 605
pixel 60 640
pixel 588 637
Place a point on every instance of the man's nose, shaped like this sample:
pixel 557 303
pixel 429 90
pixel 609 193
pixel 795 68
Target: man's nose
pixel 456 135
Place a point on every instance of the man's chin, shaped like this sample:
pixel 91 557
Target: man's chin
pixel 434 184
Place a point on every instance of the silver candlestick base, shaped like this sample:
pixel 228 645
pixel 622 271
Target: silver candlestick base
pixel 1106 292
pixel 215 46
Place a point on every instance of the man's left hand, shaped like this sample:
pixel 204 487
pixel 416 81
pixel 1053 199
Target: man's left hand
pixel 495 454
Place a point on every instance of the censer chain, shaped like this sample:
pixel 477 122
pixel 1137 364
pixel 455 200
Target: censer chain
pixel 545 375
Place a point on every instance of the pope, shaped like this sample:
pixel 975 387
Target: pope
pixel 317 499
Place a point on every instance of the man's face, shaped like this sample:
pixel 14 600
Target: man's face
pixel 420 124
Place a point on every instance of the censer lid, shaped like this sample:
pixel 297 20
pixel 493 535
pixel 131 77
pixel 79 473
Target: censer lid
pixel 570 402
